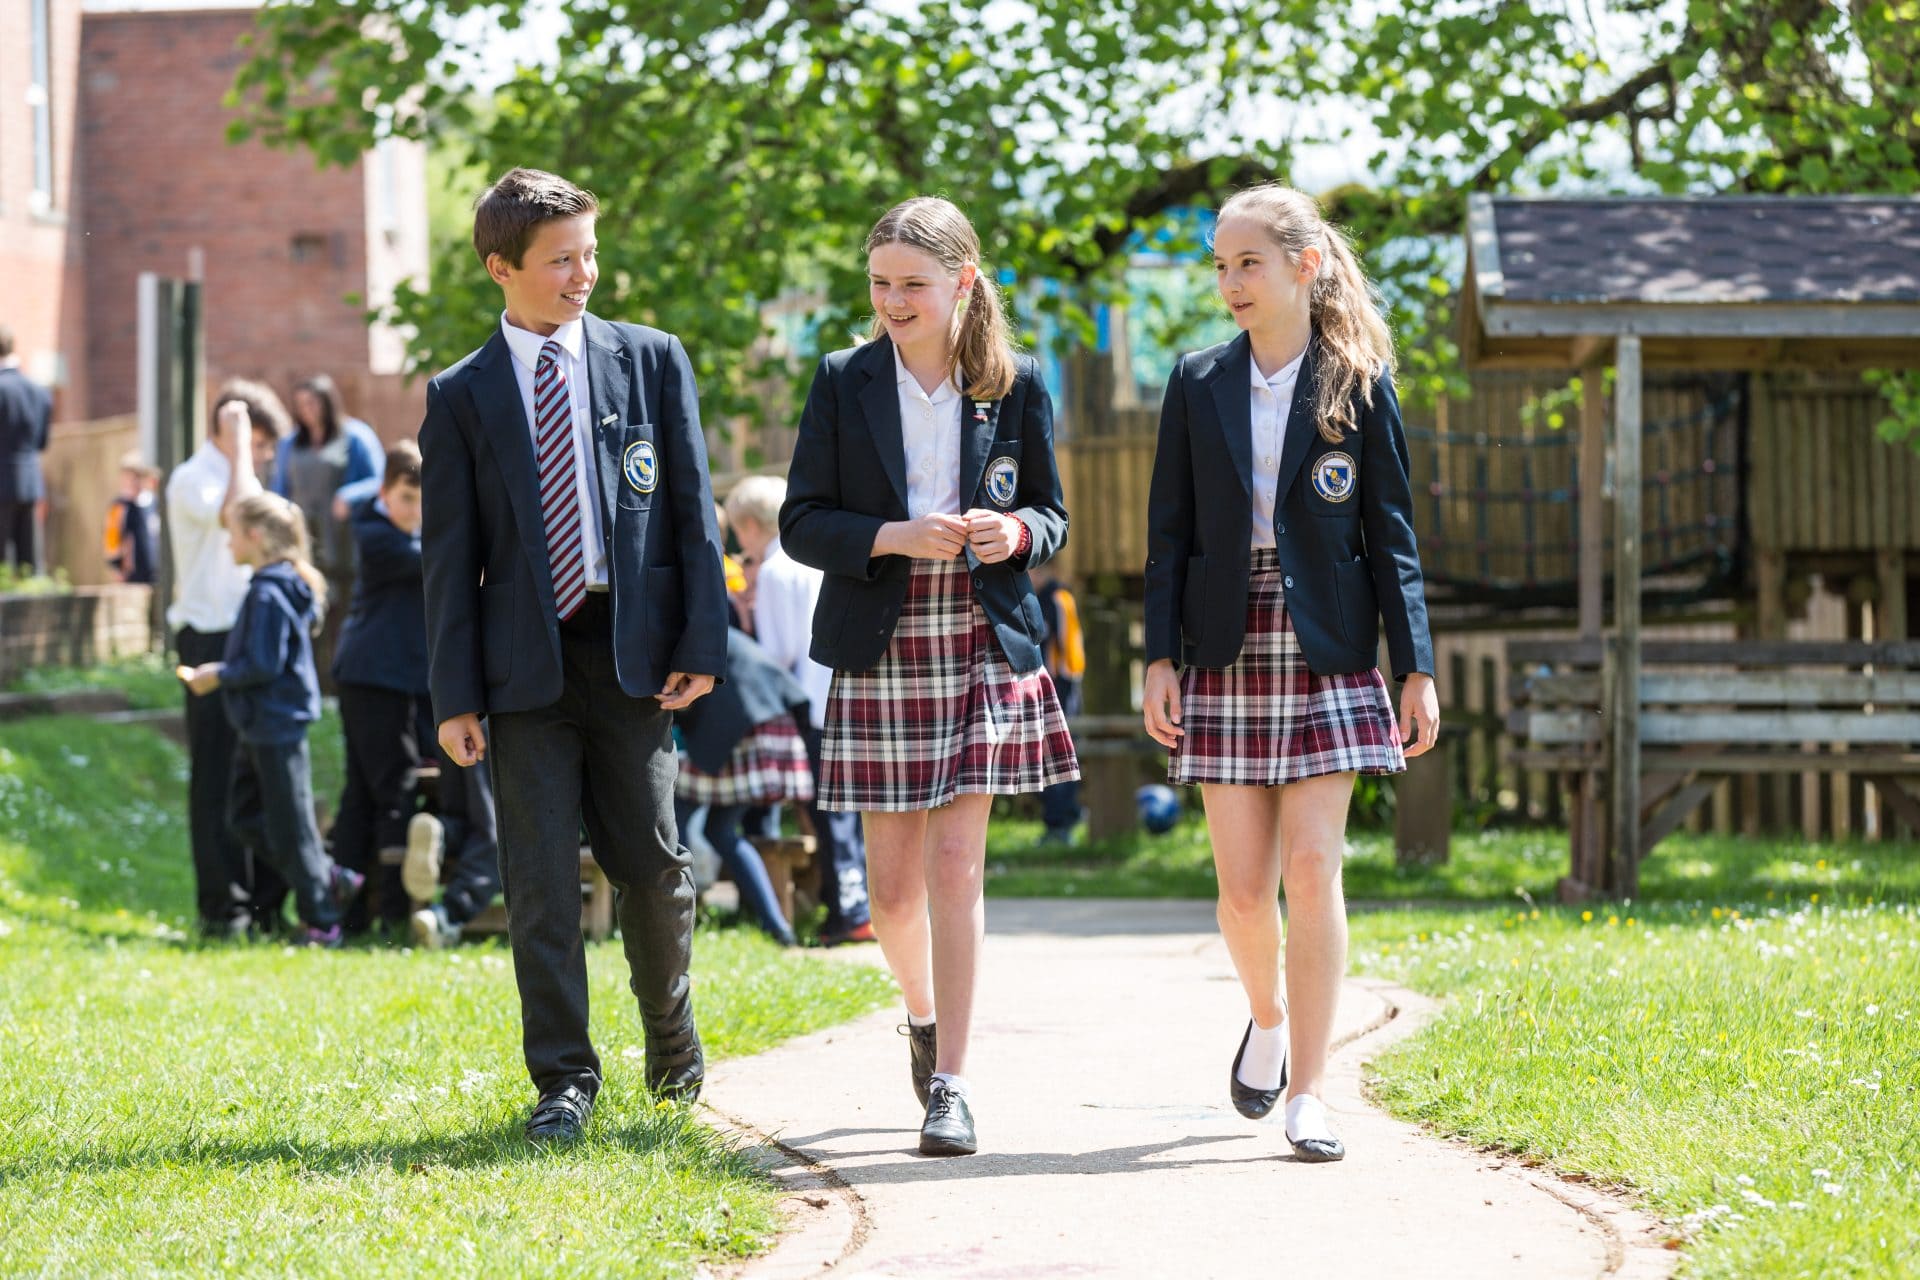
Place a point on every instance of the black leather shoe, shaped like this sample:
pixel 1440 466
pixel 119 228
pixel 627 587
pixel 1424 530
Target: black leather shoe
pixel 1250 1102
pixel 1316 1150
pixel 675 1066
pixel 921 1052
pixel 561 1116
pixel 948 1129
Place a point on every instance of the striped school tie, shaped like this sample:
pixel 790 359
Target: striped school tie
pixel 559 493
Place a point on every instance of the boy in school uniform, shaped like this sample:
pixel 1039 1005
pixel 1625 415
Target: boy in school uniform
pixel 380 669
pixel 575 599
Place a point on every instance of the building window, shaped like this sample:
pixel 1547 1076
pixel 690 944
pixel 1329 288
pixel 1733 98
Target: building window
pixel 40 102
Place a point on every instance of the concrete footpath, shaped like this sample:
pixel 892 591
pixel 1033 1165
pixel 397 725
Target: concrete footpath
pixel 1108 1146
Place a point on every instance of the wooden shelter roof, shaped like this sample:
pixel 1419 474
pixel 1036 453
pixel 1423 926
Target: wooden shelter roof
pixel 1708 282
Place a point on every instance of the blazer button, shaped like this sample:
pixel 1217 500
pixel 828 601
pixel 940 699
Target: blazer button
pixel 1280 528
pixel 978 584
pixel 1287 583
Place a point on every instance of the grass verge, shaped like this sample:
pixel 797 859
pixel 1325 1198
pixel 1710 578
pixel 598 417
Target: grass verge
pixel 169 1108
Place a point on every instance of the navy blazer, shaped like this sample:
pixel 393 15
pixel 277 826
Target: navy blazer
pixel 1349 563
pixel 26 418
pixel 267 679
pixel 493 635
pixel 383 641
pixel 757 690
pixel 849 477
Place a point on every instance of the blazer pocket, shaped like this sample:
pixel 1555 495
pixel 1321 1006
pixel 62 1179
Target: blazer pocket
pixel 1359 607
pixel 496 631
pixel 1193 597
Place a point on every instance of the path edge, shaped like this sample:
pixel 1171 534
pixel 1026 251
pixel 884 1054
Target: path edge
pixel 823 1221
pixel 1637 1241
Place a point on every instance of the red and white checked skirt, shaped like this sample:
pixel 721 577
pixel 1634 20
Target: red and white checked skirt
pixel 768 766
pixel 1267 720
pixel 942 714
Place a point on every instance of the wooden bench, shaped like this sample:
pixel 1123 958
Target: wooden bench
pixel 1711 711
pixel 596 900
pixel 792 870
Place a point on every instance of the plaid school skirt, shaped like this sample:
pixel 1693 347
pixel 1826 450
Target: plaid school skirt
pixel 768 766
pixel 1267 720
pixel 942 714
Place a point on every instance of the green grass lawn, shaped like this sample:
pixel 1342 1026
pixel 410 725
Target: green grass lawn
pixel 1753 1073
pixel 1740 1048
pixel 172 1108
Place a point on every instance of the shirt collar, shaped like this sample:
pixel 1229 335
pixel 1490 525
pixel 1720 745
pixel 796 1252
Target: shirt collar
pixel 1286 373
pixel 945 392
pixel 526 344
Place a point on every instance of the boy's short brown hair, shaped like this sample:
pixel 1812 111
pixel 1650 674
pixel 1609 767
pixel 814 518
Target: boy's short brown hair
pixel 506 214
pixel 403 465
pixel 263 406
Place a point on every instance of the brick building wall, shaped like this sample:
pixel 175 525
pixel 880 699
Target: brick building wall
pixel 280 243
pixel 41 292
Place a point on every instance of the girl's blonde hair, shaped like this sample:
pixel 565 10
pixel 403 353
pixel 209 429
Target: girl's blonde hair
pixel 1355 346
pixel 983 355
pixel 283 536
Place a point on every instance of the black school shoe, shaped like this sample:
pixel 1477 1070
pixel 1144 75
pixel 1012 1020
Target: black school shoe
pixel 920 1052
pixel 561 1116
pixel 948 1129
pixel 676 1068
pixel 1254 1104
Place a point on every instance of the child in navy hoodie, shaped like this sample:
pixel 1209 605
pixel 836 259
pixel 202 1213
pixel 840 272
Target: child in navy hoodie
pixel 272 693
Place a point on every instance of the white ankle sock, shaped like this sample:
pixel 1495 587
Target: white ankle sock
pixel 1266 1051
pixel 1307 1118
pixel 915 1020
pixel 957 1084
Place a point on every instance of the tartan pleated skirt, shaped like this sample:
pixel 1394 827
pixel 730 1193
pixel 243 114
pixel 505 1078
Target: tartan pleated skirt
pixel 1267 720
pixel 768 766
pixel 942 714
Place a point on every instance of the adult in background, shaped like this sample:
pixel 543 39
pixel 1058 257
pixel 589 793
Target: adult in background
pixel 26 418
pixel 785 593
pixel 327 450
pixel 208 588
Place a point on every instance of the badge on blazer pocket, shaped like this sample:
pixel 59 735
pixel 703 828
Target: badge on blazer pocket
pixel 641 466
pixel 1003 481
pixel 1334 476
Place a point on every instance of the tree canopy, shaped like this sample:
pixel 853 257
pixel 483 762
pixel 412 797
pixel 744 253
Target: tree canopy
pixel 742 150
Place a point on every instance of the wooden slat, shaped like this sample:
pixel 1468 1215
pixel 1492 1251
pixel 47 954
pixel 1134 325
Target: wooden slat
pixel 1781 727
pixel 1727 653
pixel 1895 689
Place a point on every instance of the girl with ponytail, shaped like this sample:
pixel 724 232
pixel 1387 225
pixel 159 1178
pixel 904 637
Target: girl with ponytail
pixel 272 694
pixel 923 485
pixel 1280 537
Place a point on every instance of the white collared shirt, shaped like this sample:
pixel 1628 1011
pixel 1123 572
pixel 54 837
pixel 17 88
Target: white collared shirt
pixel 208 587
pixel 526 345
pixel 930 429
pixel 1272 401
pixel 784 596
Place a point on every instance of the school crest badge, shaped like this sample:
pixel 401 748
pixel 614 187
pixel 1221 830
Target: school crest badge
pixel 1334 477
pixel 1003 481
pixel 641 467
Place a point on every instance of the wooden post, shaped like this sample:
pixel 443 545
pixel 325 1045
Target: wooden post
pixel 1593 513
pixel 1890 609
pixel 1624 652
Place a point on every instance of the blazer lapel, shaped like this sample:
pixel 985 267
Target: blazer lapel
pixel 1233 401
pixel 979 424
pixel 880 406
pixel 609 376
pixel 1300 430
pixel 496 396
